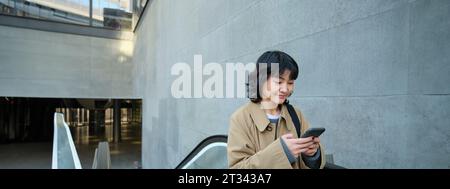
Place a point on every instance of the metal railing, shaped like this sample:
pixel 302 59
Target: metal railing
pixel 102 156
pixel 64 155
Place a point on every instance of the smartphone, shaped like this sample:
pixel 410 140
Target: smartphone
pixel 315 132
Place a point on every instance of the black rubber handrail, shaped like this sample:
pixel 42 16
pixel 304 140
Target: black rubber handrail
pixel 200 146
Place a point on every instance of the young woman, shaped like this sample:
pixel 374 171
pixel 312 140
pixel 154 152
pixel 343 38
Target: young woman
pixel 262 133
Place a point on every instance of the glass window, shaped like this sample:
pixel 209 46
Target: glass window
pixel 112 14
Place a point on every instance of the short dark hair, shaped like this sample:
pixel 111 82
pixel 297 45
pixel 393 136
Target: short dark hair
pixel 264 64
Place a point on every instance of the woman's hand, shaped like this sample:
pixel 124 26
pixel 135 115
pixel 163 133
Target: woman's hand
pixel 312 149
pixel 307 146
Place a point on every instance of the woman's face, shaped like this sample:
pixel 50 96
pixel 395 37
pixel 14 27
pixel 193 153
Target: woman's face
pixel 278 89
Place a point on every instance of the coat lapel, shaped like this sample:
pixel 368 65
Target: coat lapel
pixel 258 116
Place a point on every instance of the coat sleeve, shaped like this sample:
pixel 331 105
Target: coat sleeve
pixel 242 152
pixel 305 126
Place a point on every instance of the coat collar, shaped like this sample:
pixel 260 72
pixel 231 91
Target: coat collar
pixel 259 117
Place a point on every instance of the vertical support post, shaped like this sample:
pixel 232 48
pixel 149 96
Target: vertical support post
pixel 90 12
pixel 116 121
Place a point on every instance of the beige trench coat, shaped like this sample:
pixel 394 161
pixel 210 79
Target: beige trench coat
pixel 254 144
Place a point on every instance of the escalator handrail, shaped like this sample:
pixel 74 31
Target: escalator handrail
pixel 201 146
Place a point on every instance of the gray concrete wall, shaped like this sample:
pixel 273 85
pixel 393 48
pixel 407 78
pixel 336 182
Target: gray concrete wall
pixel 374 73
pixel 47 64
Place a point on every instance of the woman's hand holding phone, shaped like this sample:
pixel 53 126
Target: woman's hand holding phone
pixel 296 146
